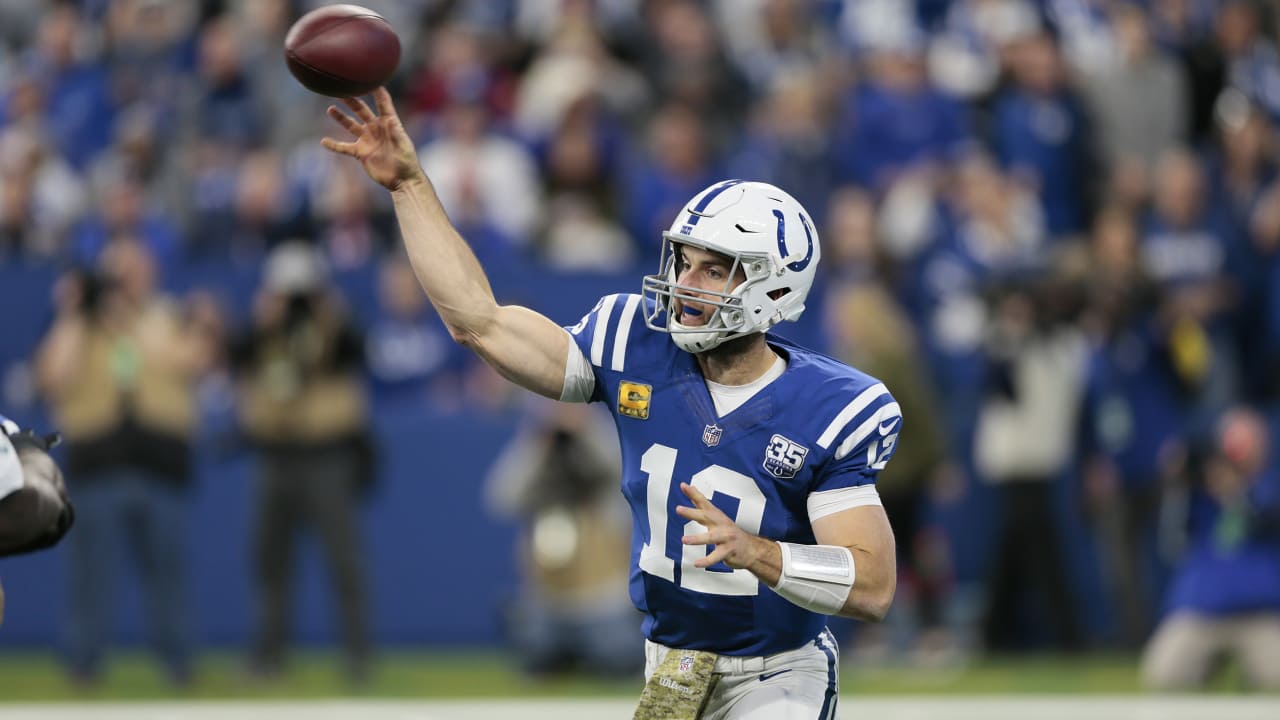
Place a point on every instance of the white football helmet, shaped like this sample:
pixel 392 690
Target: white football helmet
pixel 766 233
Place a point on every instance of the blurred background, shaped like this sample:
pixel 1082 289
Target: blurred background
pixel 1050 226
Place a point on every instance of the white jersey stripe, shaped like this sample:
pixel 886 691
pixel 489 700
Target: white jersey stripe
pixel 602 325
pixel 849 412
pixel 886 412
pixel 624 332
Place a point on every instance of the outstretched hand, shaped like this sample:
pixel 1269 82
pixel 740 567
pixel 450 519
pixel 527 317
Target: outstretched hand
pixel 382 146
pixel 736 547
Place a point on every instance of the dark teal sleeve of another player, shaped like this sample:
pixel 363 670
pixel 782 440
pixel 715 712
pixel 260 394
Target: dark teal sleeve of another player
pixel 821 427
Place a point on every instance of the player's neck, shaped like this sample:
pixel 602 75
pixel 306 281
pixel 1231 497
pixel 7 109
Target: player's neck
pixel 738 361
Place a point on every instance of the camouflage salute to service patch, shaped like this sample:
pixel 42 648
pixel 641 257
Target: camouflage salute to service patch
pixel 679 688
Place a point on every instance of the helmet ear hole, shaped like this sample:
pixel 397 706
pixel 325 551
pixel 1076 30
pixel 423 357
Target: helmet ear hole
pixel 779 293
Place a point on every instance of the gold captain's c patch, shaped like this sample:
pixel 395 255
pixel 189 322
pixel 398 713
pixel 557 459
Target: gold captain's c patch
pixel 633 399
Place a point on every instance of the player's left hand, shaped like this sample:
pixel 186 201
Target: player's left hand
pixel 736 547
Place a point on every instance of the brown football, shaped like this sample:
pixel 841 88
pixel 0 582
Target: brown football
pixel 342 50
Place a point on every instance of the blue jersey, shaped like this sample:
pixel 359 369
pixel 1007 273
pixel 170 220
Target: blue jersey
pixel 821 427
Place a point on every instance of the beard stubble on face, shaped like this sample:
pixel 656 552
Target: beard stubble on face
pixel 731 358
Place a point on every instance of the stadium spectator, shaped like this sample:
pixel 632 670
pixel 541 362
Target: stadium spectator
pixel 42 196
pixel 351 231
pixel 986 229
pixel 1024 437
pixel 1041 134
pixel 119 368
pixel 1250 59
pixel 1262 328
pixel 121 209
pixel 1224 603
pixel 488 181
pixel 78 106
pixel 1240 173
pixel 679 160
pixel 1088 32
pixel 303 406
pixel 867 328
pixel 581 237
pixel 1134 418
pixel 682 58
pixel 1240 165
pixel 411 359
pixel 242 207
pixel 896 122
pixel 968 52
pixel 786 142
pixel 583 152
pixel 1198 261
pixel 458 62
pixel 261 26
pixel 767 39
pixel 222 105
pixel 572 109
pixel 145 52
pixel 572 65
pixel 1138 103
pixel 558 478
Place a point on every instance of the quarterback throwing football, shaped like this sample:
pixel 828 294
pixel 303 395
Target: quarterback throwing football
pixel 749 462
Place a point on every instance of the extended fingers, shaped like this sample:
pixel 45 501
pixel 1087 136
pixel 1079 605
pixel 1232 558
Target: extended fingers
pixel 342 148
pixel 344 120
pixel 718 555
pixel 695 495
pixel 699 539
pixel 361 110
pixel 383 100
pixel 693 514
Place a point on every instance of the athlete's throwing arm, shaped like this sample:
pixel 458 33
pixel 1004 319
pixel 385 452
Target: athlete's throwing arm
pixel 749 462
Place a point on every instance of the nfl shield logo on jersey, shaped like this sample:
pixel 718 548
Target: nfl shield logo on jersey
pixel 711 435
pixel 686 663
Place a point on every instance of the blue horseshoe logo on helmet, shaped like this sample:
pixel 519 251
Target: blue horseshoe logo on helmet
pixel 803 263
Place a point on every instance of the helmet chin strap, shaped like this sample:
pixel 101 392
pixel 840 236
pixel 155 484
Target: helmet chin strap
pixel 696 339
pixel 695 342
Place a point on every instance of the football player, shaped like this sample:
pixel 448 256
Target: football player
pixel 749 462
pixel 35 511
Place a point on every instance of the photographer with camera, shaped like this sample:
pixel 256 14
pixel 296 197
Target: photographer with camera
pixel 303 405
pixel 1223 604
pixel 557 478
pixel 119 368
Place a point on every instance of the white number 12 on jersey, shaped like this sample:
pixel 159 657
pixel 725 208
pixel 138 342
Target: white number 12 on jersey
pixel 659 463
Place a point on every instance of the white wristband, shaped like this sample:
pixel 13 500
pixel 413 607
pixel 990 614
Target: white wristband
pixel 816 577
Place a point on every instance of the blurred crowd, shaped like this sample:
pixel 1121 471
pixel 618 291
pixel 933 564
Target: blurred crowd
pixel 1050 226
